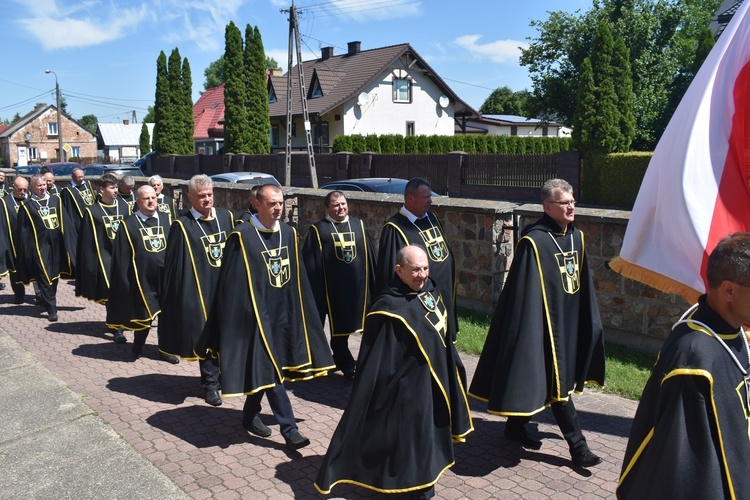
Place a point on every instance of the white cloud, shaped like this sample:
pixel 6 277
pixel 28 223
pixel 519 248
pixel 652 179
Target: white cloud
pixel 282 57
pixel 499 51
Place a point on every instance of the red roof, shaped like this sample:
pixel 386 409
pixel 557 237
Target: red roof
pixel 208 111
pixel 3 128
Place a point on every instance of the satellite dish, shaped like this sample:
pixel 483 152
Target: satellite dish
pixel 363 99
pixel 444 101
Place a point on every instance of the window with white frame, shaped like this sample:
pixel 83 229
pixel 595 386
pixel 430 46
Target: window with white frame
pixel 401 90
pixel 32 153
pixel 51 128
pixel 75 152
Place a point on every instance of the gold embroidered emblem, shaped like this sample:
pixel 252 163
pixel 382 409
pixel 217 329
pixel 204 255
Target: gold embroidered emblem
pixel 437 248
pixel 277 262
pixel 436 313
pixel 570 274
pixel 345 247
pixel 213 245
pixel 153 239
pixel 87 196
pixel 49 217
pixel 111 225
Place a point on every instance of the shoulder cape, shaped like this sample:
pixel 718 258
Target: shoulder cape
pixel 41 249
pixel 263 327
pixel 341 268
pixel 408 404
pixel 398 232
pixel 136 272
pixel 191 272
pixel 545 338
pixel 689 437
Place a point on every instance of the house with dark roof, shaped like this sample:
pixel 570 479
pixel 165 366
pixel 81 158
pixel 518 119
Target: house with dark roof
pixel 515 126
pixel 34 138
pixel 120 142
pixel 389 90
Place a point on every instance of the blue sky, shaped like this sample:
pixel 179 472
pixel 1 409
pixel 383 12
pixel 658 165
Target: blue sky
pixel 104 51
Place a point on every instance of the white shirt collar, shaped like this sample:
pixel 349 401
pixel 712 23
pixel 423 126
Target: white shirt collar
pixel 410 215
pixel 197 215
pixel 256 221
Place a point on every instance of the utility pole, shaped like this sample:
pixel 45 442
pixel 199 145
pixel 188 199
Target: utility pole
pixel 294 38
pixel 61 153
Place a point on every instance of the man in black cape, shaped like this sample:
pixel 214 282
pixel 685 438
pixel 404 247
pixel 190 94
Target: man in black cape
pixel 3 186
pixel 192 264
pixel 95 241
pixel 125 188
pixel 75 198
pixel 165 203
pixel 414 223
pixel 247 214
pixel 408 405
pixel 264 327
pixel 340 264
pixel 41 256
pixel 51 186
pixel 10 205
pixel 136 272
pixel 545 339
pixel 689 437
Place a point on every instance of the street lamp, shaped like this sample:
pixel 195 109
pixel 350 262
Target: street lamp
pixel 59 115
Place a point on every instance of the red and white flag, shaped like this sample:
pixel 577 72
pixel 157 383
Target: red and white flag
pixel 696 191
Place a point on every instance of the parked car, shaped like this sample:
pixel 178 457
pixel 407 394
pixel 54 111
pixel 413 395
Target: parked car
pixel 371 185
pixel 62 168
pixel 97 169
pixel 143 161
pixel 257 178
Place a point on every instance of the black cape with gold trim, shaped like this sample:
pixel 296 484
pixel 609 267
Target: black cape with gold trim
pixel 408 404
pixel 74 204
pixel 9 208
pixel 689 437
pixel 41 249
pixel 398 232
pixel 136 272
pixel 264 326
pixel 545 339
pixel 129 200
pixel 341 267
pixel 94 253
pixel 191 271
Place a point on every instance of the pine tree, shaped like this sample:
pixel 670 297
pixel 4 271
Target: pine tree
pixel 144 141
pixel 161 107
pixel 606 126
pixel 176 133
pixel 583 120
pixel 235 92
pixel 623 82
pixel 188 142
pixel 257 93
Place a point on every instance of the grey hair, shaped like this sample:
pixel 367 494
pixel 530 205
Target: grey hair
pixel 552 185
pixel 156 178
pixel 200 181
pixel 128 180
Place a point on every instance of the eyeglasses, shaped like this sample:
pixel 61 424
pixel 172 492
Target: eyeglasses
pixel 569 203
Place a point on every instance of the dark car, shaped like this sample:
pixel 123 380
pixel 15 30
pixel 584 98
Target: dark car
pixel 370 185
pixel 257 178
pixel 97 169
pixel 62 168
pixel 143 161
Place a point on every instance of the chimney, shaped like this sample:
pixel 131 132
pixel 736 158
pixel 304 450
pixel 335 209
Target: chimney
pixel 126 122
pixel 326 53
pixel 353 48
pixel 40 105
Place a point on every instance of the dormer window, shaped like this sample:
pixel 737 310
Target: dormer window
pixel 401 90
pixel 52 128
pixel 271 95
pixel 315 90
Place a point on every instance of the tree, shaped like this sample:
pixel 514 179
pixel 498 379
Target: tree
pixel 144 140
pixel 257 93
pixel 188 128
pixel 503 101
pixel 622 78
pixel 271 64
pixel 150 116
pixel 89 122
pixel 214 73
pixel 660 36
pixel 236 123
pixel 162 112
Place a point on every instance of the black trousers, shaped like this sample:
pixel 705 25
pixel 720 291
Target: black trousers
pixel 48 294
pixel 18 289
pixel 210 374
pixel 567 420
pixel 281 407
pixel 342 356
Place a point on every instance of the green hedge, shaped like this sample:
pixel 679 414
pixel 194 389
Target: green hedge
pixel 472 144
pixel 614 179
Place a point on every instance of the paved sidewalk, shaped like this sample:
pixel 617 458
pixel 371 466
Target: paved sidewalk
pixel 81 420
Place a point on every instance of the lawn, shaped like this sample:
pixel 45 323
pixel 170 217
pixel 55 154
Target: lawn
pixel 626 369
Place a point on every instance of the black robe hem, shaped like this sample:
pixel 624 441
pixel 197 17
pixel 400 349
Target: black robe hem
pixel 383 490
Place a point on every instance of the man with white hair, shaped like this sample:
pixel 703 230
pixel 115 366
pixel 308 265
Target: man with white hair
pixel 165 203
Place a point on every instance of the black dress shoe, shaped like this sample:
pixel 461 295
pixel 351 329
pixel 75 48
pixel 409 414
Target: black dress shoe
pixel 213 398
pixel 522 436
pixel 585 458
pixel 257 427
pixel 296 441
pixel 52 315
pixel 169 358
pixel 119 337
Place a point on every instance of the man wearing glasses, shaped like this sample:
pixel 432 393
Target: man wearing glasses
pixel 545 339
